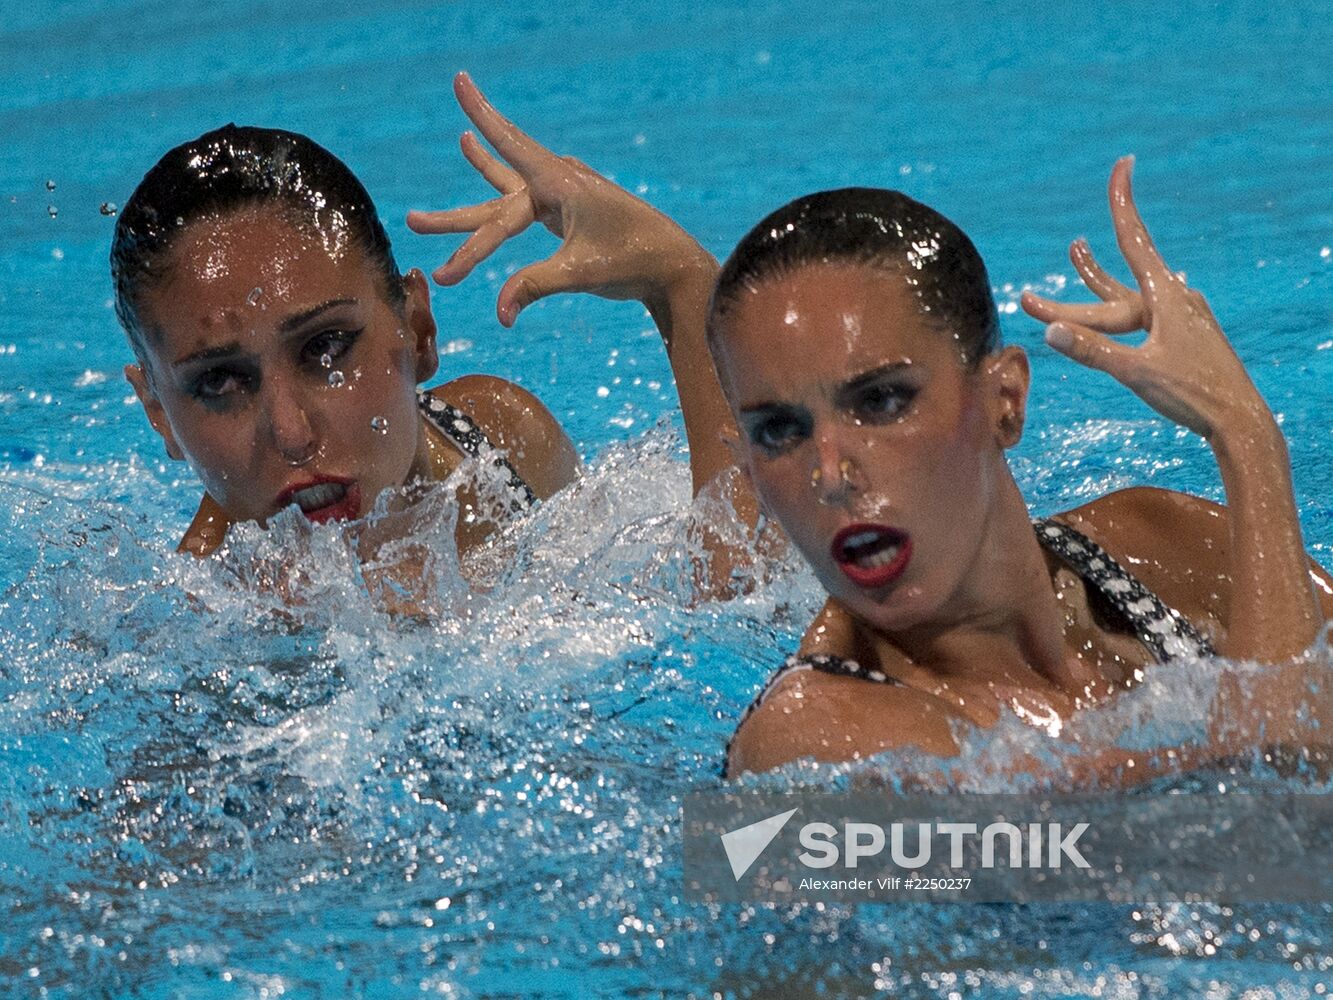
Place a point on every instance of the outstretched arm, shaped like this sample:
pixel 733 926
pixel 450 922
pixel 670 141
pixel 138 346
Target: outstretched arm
pixel 613 245
pixel 1187 371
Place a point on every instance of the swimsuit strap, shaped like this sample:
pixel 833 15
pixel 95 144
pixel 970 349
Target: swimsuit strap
pixel 1162 629
pixel 463 431
pixel 825 664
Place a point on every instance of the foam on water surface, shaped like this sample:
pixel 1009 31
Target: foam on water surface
pixel 207 756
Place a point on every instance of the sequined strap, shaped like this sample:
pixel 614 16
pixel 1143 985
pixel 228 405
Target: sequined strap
pixel 822 662
pixel 1162 629
pixel 463 431
pixel 825 664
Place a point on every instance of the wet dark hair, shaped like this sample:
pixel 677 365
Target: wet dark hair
pixel 880 228
pixel 229 169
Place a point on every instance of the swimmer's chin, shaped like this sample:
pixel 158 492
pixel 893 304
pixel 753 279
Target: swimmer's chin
pixel 900 609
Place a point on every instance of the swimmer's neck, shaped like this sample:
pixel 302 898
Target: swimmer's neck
pixel 1004 614
pixel 434 459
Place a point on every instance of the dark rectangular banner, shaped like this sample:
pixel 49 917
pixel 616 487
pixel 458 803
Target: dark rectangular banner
pixel 867 846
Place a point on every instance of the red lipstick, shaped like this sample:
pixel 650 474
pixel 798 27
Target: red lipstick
pixel 324 498
pixel 871 555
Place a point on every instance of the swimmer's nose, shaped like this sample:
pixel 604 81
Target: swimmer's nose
pixel 836 476
pixel 290 424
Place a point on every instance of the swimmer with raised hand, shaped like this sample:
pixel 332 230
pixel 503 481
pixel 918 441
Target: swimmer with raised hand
pixel 858 344
pixel 279 349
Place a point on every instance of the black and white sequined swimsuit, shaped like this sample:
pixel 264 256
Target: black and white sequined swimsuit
pixel 463 431
pixel 1165 631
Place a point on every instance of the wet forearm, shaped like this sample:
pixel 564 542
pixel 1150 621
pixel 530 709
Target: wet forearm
pixel 1273 614
pixel 679 306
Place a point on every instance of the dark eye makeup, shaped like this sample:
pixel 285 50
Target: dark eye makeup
pixel 775 430
pixel 882 394
pixel 880 400
pixel 876 397
pixel 215 384
pixel 218 384
pixel 331 344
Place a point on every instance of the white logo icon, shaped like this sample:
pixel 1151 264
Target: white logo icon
pixel 744 845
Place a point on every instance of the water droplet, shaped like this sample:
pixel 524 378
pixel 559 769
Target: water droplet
pixel 108 208
pixel 336 379
pixel 52 211
pixel 50 185
pixel 255 295
pixel 380 424
pixel 326 360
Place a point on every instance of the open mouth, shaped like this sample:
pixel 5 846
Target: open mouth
pixel 324 500
pixel 871 555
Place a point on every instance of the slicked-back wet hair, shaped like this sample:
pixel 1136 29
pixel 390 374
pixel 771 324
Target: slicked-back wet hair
pixel 880 228
pixel 227 170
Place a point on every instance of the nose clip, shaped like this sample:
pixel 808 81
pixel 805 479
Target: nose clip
pixel 291 430
pixel 297 450
pixel 826 494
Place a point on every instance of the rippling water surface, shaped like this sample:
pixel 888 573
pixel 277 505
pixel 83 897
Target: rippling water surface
pixel 210 790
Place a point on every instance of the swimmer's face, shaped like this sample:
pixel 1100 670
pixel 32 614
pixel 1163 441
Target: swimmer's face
pixel 279 371
pixel 867 437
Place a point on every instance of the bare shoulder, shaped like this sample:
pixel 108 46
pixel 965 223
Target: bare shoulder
pixel 833 718
pixel 1179 545
pixel 516 421
pixel 1139 522
pixel 206 530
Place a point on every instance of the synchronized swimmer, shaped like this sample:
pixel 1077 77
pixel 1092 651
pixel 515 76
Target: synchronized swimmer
pixel 882 456
pixel 279 349
pixel 856 380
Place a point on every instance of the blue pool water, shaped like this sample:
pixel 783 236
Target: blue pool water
pixel 204 793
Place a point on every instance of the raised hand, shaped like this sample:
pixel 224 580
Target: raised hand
pixel 1186 369
pixel 614 244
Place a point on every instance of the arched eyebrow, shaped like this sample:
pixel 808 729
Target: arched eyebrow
pixel 874 375
pixel 765 408
pixel 848 388
pixel 209 354
pixel 293 322
pixel 306 315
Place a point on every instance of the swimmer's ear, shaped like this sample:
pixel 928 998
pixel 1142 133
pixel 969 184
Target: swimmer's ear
pixel 1008 376
pixel 420 324
pixel 157 416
